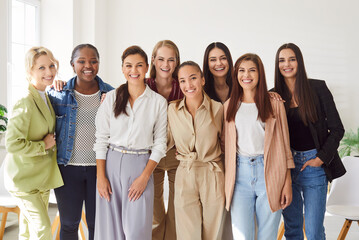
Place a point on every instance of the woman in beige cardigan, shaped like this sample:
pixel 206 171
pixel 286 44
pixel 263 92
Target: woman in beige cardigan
pixel 257 153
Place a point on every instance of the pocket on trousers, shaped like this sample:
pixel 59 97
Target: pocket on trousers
pixel 219 178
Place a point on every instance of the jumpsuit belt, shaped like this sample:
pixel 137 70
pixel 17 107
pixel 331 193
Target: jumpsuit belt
pixel 190 160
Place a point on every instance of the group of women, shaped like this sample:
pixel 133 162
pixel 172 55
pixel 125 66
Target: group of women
pixel 114 146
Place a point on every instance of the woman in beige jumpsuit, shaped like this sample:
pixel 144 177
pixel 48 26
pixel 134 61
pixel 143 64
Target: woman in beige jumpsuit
pixel 195 126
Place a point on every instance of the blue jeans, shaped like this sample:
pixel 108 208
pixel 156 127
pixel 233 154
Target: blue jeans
pixel 309 188
pixel 250 199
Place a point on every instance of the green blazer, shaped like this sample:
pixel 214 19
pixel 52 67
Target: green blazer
pixel 28 165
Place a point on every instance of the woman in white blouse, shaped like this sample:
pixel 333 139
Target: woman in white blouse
pixel 130 140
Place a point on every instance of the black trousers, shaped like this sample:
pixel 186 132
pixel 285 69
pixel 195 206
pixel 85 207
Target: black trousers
pixel 79 187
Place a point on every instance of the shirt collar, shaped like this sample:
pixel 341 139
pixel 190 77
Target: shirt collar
pixel 205 102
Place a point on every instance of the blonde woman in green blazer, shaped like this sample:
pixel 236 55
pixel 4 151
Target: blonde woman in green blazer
pixel 30 168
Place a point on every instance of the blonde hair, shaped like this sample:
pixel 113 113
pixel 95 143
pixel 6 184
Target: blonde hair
pixel 171 45
pixel 33 54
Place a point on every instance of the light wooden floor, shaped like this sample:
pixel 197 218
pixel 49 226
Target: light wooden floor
pixel 332 224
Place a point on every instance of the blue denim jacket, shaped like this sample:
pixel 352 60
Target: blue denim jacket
pixel 65 106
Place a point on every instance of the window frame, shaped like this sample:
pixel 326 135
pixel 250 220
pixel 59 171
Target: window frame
pixel 37 5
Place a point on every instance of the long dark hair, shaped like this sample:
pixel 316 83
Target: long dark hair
pixel 208 76
pixel 122 94
pixel 261 98
pixel 303 93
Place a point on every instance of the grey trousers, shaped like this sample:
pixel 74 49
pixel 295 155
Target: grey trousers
pixel 121 219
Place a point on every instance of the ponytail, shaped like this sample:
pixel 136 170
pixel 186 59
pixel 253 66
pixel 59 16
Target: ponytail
pixel 122 96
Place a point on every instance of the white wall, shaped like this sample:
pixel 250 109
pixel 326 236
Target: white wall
pixel 3 51
pixel 57 24
pixel 325 31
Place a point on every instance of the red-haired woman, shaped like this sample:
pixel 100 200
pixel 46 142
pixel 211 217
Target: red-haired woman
pixel 257 153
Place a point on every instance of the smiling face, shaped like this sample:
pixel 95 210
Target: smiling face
pixel 248 75
pixel 86 64
pixel 43 72
pixel 134 69
pixel 218 62
pixel 165 62
pixel 191 82
pixel 288 65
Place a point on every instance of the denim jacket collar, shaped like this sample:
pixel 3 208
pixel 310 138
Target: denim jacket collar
pixel 70 86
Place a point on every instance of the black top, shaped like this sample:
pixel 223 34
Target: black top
pixel 300 136
pixel 327 131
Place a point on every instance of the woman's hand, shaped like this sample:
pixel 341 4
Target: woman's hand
pixel 58 85
pixel 104 188
pixel 137 187
pixel 49 141
pixel 287 194
pixel 276 96
pixel 316 162
pixel 103 96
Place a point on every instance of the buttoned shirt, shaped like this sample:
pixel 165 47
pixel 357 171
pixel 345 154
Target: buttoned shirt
pixel 143 128
pixel 197 140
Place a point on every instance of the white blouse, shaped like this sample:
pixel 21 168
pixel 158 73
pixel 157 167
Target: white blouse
pixel 145 126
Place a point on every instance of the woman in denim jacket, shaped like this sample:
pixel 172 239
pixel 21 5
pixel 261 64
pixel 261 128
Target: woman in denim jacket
pixel 76 107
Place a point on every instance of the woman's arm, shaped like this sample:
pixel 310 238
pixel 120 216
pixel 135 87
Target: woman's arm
pixel 287 194
pixel 17 141
pixel 333 122
pixel 158 149
pixel 103 185
pixel 283 122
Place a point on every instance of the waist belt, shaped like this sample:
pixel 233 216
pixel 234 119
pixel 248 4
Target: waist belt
pixel 214 166
pixel 128 151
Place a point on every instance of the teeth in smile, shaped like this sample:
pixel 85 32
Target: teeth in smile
pixel 190 91
pixel 247 81
pixel 134 76
pixel 288 70
pixel 219 69
pixel 48 78
pixel 165 70
pixel 87 72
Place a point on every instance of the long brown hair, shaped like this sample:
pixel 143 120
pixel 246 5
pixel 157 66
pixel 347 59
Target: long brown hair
pixel 261 98
pixel 122 94
pixel 171 45
pixel 303 93
pixel 209 86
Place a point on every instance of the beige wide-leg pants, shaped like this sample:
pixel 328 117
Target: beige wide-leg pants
pixel 163 225
pixel 199 201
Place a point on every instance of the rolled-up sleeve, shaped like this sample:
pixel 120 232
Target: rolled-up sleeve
pixel 159 147
pixel 103 118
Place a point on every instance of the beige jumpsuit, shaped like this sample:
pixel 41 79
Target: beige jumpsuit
pixel 199 184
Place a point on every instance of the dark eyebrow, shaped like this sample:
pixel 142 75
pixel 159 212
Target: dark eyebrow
pixel 192 74
pixel 85 58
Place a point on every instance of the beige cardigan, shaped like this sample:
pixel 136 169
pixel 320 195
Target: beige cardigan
pixel 277 154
